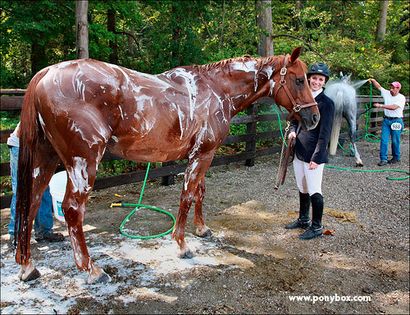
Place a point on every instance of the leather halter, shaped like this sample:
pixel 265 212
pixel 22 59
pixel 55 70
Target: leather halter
pixel 296 107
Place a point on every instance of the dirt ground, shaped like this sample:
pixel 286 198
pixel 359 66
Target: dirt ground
pixel 250 264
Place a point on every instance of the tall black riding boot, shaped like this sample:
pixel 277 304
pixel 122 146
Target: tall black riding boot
pixel 316 229
pixel 303 220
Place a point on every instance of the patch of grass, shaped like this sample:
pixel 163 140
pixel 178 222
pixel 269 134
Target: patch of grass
pixel 5 185
pixel 9 119
pixel 4 153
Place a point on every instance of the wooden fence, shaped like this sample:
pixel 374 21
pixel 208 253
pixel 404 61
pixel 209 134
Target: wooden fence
pixel 11 100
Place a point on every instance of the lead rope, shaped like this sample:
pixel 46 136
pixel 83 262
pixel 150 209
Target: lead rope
pixel 284 144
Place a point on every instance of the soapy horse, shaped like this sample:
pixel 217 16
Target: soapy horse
pixel 75 110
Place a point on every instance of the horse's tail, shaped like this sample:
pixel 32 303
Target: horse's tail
pixel 337 122
pixel 30 132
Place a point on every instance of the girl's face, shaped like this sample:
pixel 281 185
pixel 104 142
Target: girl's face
pixel 316 82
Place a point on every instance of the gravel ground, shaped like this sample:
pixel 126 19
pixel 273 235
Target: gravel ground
pixel 260 265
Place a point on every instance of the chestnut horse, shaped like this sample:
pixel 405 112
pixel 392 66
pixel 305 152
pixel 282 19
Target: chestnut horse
pixel 74 110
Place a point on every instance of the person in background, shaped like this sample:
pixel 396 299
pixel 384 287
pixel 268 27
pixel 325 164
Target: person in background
pixel 392 125
pixel 43 224
pixel 311 154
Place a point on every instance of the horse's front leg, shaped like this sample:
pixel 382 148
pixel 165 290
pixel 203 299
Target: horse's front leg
pixel 194 174
pixel 179 229
pixel 201 229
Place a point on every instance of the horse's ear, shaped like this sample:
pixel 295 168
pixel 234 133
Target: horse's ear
pixel 295 54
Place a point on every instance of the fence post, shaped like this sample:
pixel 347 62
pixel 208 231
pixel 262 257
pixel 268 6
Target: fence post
pixel 169 179
pixel 251 130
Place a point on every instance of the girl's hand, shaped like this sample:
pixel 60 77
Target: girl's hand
pixel 313 165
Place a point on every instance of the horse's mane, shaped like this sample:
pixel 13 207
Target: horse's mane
pixel 261 61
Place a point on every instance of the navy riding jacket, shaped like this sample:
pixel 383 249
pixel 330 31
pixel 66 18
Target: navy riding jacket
pixel 312 145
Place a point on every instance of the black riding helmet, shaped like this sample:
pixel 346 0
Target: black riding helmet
pixel 319 68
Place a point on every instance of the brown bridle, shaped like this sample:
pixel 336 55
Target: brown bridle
pixel 296 107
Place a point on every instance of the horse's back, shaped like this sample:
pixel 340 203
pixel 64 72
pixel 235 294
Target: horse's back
pixel 140 116
pixel 343 96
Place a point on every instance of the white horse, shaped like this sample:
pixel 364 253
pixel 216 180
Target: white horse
pixel 343 94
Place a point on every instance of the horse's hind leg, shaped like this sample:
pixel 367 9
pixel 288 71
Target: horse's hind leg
pixel 81 146
pixel 334 137
pixel 45 163
pixel 201 229
pixel 81 177
pixel 351 120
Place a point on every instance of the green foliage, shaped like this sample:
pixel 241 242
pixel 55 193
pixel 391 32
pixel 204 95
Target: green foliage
pixel 343 35
pixel 238 129
pixel 9 120
pixel 4 153
pixel 116 167
pixel 44 26
pixel 154 36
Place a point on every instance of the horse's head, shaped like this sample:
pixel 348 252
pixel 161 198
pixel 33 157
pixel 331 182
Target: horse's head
pixel 292 90
pixel 345 78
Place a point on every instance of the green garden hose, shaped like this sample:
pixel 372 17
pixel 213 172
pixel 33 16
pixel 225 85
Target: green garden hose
pixel 368 136
pixel 278 113
pixel 356 170
pixel 138 206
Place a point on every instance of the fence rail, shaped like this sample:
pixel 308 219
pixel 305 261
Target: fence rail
pixel 11 100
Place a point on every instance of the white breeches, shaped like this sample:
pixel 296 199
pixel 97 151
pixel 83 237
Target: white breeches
pixel 308 181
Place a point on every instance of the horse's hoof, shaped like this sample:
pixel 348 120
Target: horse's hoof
pixel 359 165
pixel 206 233
pixel 29 276
pixel 102 278
pixel 187 254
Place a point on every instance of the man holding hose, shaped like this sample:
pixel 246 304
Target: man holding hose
pixel 392 125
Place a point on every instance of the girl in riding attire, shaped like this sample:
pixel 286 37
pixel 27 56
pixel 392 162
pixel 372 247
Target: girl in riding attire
pixel 311 154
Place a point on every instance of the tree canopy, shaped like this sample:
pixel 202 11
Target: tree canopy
pixel 153 36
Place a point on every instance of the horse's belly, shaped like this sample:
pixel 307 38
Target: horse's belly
pixel 148 151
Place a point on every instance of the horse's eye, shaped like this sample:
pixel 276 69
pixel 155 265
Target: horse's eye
pixel 299 81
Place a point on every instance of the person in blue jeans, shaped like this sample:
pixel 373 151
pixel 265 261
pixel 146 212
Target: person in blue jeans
pixel 43 224
pixel 392 125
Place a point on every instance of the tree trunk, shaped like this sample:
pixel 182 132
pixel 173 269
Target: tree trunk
pixel 81 8
pixel 176 57
pixel 113 43
pixel 221 39
pixel 298 23
pixel 38 57
pixel 381 25
pixel 264 21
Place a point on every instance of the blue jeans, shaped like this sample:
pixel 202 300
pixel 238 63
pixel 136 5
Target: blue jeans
pixel 387 132
pixel 43 223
